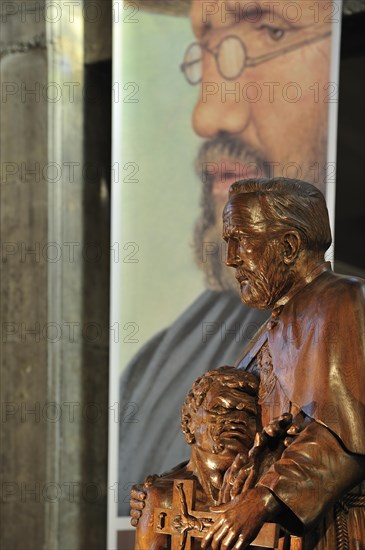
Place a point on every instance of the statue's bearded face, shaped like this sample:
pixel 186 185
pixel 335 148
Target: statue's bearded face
pixel 256 255
pixel 225 423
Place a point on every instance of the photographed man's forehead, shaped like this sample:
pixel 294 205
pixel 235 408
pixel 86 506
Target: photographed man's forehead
pixel 225 13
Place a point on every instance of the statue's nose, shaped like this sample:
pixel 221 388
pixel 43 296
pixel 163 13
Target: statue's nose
pixel 232 257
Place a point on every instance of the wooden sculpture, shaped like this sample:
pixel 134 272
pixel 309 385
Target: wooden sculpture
pixel 306 469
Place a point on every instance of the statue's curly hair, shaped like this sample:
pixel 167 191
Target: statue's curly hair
pixel 229 377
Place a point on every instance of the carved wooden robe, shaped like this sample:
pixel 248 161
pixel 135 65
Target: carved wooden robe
pixel 312 364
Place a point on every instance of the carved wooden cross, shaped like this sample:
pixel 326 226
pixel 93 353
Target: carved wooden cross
pixel 184 524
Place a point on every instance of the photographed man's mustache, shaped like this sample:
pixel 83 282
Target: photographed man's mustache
pixel 229 148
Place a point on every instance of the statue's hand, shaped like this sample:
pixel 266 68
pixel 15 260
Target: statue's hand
pixel 284 428
pixel 235 476
pixel 238 522
pixel 277 428
pixel 137 503
pixel 138 497
pixel 245 470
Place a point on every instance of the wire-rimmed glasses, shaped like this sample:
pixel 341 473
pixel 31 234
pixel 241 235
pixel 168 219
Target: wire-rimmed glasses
pixel 231 56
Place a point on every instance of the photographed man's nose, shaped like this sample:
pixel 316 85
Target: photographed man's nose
pixel 221 107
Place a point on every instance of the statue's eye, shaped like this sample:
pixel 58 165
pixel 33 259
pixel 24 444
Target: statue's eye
pixel 219 409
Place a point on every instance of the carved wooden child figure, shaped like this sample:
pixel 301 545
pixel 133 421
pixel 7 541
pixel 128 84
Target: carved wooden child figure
pixel 219 420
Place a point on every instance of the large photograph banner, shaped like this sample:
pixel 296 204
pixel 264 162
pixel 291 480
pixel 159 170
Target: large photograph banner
pixel 205 93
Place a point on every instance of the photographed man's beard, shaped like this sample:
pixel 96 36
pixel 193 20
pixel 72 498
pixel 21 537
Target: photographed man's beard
pixel 270 281
pixel 209 247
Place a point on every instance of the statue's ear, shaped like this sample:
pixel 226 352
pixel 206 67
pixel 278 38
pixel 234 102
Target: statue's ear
pixel 190 438
pixel 188 429
pixel 292 243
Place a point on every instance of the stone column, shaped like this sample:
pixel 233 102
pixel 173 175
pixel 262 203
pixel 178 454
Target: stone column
pixel 55 275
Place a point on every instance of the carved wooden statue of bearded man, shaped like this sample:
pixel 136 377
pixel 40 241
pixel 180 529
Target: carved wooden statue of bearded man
pixel 309 359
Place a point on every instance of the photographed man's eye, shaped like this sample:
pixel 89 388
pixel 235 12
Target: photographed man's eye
pixel 275 33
